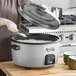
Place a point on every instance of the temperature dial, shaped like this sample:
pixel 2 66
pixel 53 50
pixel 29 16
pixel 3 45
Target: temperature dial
pixel 62 37
pixel 72 37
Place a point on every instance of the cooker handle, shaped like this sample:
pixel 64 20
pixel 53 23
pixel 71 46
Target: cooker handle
pixel 15 47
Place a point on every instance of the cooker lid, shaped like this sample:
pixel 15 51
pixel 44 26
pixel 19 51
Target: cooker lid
pixel 39 15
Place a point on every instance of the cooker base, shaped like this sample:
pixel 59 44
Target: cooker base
pixel 28 68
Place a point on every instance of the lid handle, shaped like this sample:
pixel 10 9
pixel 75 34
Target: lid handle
pixel 46 7
pixel 40 10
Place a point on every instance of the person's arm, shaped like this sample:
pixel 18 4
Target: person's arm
pixel 10 25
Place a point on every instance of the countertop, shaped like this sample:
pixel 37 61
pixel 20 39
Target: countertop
pixel 60 69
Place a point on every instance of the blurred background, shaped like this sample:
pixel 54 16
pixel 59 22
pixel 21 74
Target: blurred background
pixel 65 4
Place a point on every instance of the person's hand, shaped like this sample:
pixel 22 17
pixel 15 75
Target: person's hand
pixel 10 25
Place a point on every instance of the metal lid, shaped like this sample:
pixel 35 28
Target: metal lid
pixel 39 15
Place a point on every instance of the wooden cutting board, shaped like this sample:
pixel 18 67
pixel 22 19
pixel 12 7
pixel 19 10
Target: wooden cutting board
pixel 60 69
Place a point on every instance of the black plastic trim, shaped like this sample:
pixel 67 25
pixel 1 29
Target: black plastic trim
pixel 36 37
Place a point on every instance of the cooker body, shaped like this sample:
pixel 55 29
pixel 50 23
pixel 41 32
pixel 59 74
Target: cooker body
pixel 35 56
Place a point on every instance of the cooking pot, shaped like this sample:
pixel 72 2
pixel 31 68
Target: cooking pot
pixel 35 54
pixel 57 11
pixel 36 50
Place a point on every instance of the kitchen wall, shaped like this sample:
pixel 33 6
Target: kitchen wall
pixel 73 3
pixel 54 3
pixel 57 3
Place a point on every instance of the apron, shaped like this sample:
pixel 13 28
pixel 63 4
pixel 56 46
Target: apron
pixel 9 10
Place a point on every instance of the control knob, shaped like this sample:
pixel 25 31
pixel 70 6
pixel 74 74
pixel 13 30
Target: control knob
pixel 71 37
pixel 62 37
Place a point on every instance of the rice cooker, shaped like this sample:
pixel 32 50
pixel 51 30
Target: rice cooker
pixel 36 50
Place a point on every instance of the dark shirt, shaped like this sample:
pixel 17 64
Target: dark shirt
pixel 9 10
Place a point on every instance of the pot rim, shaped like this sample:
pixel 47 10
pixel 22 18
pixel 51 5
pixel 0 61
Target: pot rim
pixel 53 42
pixel 36 43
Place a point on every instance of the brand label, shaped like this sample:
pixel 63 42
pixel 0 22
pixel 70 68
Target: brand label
pixel 50 49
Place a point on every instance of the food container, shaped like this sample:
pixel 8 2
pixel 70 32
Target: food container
pixel 71 62
pixel 57 11
pixel 67 54
pixel 72 59
pixel 43 50
pixel 72 66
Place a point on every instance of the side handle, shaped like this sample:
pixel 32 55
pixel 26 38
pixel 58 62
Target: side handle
pixel 15 47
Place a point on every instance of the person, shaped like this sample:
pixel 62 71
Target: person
pixel 9 20
pixel 9 23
